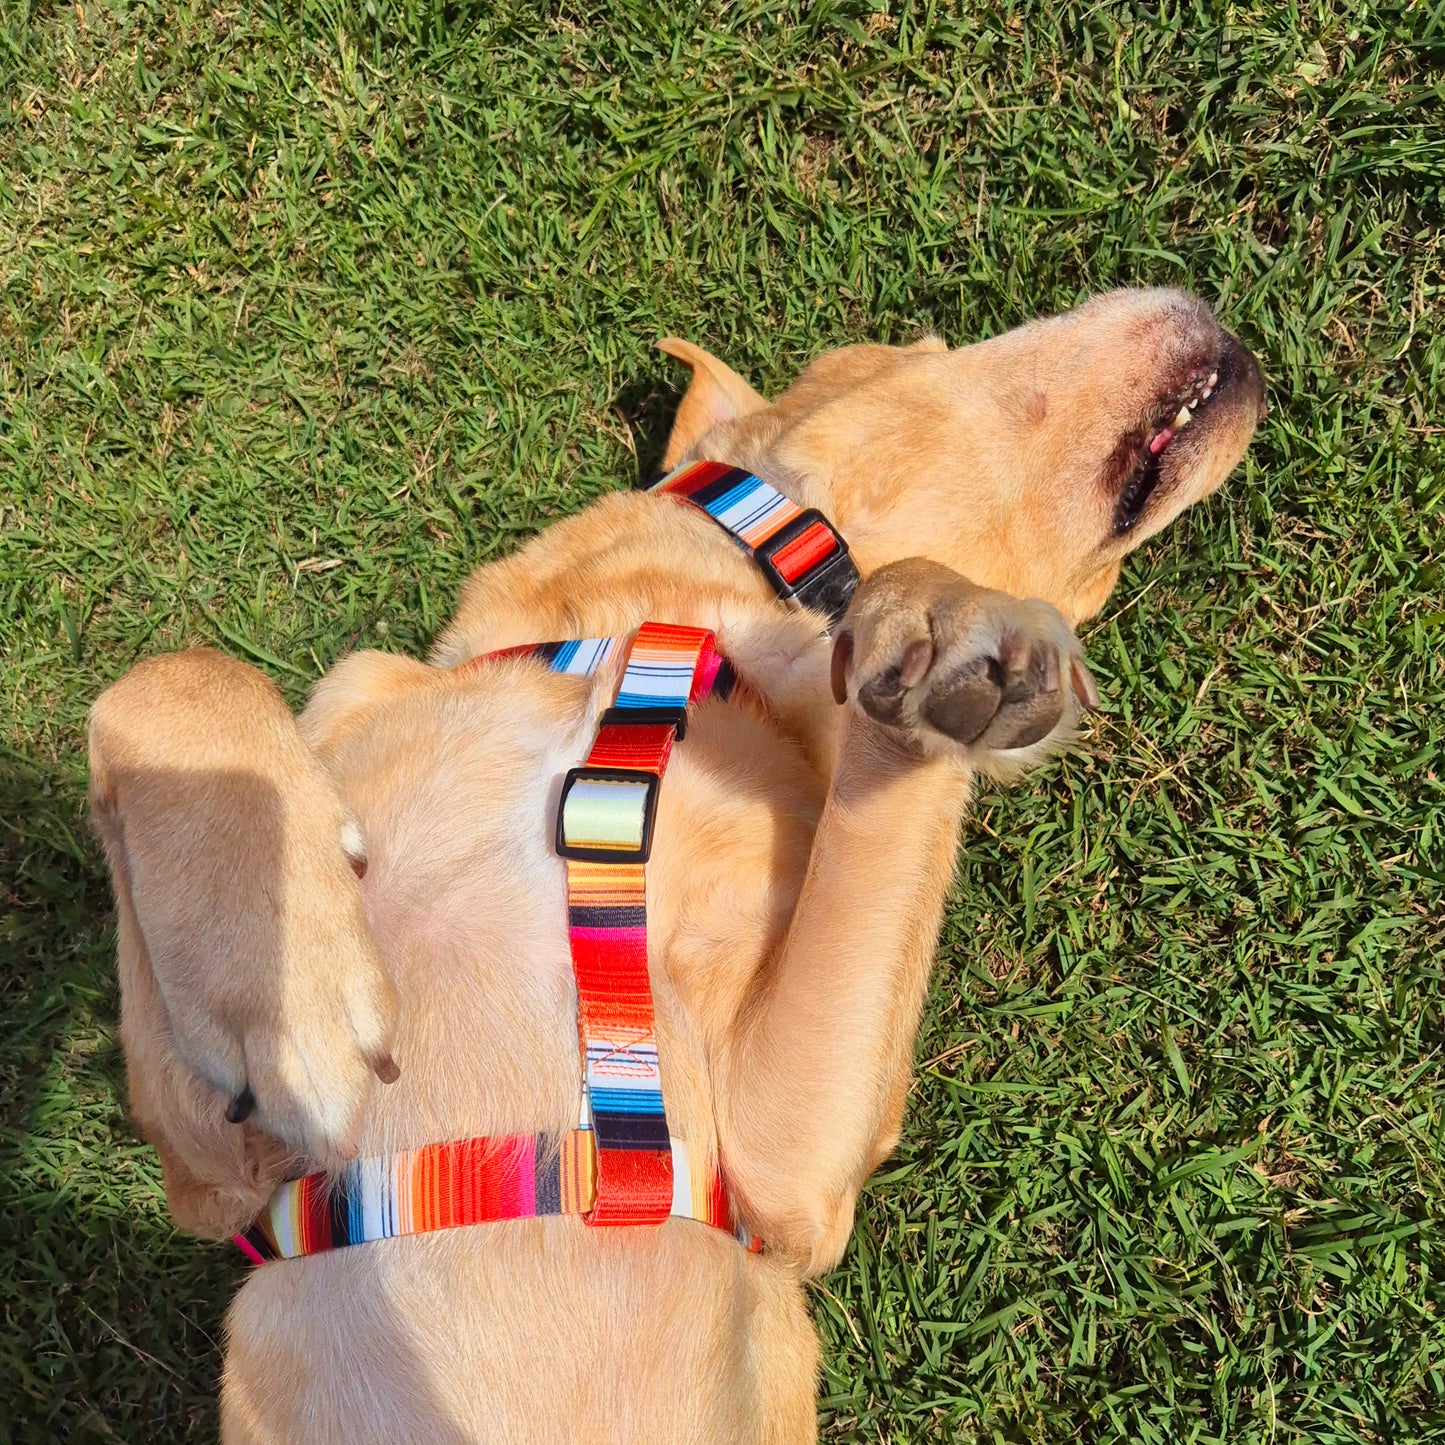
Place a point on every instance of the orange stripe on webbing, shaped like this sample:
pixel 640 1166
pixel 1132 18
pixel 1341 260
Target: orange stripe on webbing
pixel 417 1191
pixel 771 525
pixel 602 884
pixel 578 1175
pixel 440 1194
pixel 656 640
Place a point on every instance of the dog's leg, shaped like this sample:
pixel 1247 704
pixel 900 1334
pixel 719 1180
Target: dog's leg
pixel 942 679
pixel 254 1009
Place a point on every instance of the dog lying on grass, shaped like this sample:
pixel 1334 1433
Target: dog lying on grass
pixel 370 891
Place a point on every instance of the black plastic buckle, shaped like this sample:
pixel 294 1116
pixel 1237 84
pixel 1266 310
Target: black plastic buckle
pixel 673 717
pixel 608 775
pixel 828 586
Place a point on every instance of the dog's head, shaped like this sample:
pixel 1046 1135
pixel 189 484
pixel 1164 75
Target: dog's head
pixel 1033 462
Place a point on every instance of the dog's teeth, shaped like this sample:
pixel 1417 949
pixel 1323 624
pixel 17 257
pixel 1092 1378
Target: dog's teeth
pixel 1212 382
pixel 1206 393
pixel 1183 419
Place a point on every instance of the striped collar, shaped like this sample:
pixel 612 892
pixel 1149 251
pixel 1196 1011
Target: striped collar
pixel 797 549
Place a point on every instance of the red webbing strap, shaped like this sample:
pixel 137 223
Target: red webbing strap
pixel 604 833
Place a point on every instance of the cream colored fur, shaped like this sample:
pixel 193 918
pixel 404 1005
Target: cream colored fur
pixel 303 902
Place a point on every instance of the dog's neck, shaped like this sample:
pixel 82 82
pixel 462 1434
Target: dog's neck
pixel 871 541
pixel 877 529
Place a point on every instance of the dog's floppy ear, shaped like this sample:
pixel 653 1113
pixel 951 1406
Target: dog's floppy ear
pixel 717 393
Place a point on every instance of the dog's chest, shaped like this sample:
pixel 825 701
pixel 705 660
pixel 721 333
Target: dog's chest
pixel 454 793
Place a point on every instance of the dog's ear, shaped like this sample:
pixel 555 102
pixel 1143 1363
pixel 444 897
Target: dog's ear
pixel 717 393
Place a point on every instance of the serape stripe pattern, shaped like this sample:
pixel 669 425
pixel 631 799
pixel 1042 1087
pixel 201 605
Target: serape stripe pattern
pixel 744 504
pixel 753 512
pixel 606 809
pixel 447 1186
pixel 578 658
pixel 584 656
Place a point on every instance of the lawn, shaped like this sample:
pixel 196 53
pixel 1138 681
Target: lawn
pixel 305 310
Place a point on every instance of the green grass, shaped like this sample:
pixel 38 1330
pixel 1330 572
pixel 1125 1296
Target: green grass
pixel 303 316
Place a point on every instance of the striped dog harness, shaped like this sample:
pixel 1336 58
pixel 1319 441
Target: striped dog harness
pixel 621 1165
pixel 796 549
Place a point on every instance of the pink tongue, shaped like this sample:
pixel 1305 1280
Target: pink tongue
pixel 1161 441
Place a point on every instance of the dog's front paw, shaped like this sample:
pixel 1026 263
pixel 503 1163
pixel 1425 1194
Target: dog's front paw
pixel 306 1048
pixel 927 653
pixel 247 959
pixel 272 987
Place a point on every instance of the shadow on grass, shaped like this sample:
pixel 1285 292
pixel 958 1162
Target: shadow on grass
pixel 648 406
pixel 111 1318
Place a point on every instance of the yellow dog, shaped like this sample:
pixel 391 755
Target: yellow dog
pixel 304 901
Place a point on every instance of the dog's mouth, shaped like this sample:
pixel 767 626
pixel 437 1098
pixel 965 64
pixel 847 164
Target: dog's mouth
pixel 1222 388
pixel 1184 406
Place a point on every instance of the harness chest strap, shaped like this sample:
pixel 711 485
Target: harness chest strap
pixel 604 831
pixel 620 1165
